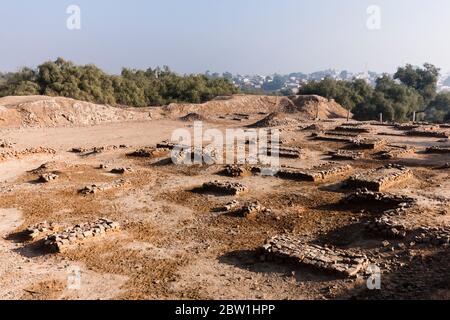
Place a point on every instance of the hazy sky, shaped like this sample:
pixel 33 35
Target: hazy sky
pixel 241 36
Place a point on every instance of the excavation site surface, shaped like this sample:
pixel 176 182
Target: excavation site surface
pixel 98 209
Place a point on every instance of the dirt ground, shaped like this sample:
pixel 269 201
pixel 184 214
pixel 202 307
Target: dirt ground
pixel 173 246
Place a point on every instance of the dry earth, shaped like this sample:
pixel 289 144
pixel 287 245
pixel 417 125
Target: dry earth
pixel 172 245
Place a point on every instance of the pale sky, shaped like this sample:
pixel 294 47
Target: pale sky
pixel 240 36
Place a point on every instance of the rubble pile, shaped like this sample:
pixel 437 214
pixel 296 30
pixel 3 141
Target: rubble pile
pixel 315 174
pixel 59 242
pixel 389 224
pixel 230 188
pixel 233 170
pixel 252 210
pixel 149 152
pixel 47 177
pixel 121 170
pixel 380 178
pixel 104 187
pixel 337 261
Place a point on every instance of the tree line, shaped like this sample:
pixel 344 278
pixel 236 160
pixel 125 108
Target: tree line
pixel 137 88
pixel 411 89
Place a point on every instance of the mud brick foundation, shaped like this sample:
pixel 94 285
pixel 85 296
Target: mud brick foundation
pixel 337 261
pixel 285 152
pixel 397 152
pixel 367 143
pixel 59 242
pixel 315 174
pixel 229 188
pixel 427 133
pixel 364 196
pixel 40 229
pixel 334 138
pixel 341 134
pixel 380 179
pixel 149 152
pixel 346 155
pixel 439 150
pixel 352 129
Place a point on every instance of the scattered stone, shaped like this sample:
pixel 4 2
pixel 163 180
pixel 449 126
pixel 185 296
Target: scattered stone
pixel 18 154
pixel 381 178
pixel 59 242
pixel 6 144
pixel 338 261
pixel 104 187
pixel 229 206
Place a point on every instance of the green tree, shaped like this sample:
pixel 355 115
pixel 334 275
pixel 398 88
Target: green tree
pixel 424 80
pixel 439 108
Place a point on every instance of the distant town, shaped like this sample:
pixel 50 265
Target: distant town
pixel 288 84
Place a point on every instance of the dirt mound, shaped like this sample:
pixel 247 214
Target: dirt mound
pixel 192 117
pixel 230 105
pixel 312 106
pixel 43 111
pixel 275 119
pixel 306 107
